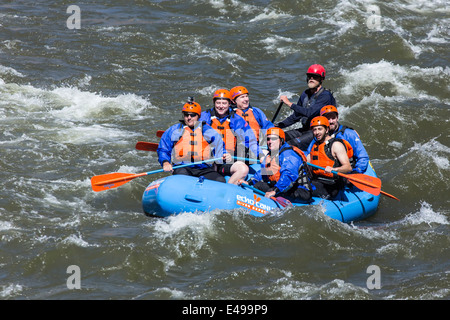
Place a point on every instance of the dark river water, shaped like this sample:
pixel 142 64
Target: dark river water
pixel 75 99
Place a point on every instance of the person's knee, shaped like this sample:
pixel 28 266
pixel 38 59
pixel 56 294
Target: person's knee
pixel 239 168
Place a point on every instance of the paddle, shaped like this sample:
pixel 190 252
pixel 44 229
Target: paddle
pixel 146 146
pixel 280 200
pixel 364 182
pixel 276 112
pixel 151 146
pixel 159 133
pixel 114 180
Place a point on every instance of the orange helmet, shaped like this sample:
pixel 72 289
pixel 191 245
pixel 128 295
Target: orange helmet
pixel 192 106
pixel 222 93
pixel 277 132
pixel 319 121
pixel 328 109
pixel 237 91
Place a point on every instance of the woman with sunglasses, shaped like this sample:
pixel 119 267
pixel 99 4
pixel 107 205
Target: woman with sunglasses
pixel 284 171
pixel 307 107
pixel 192 141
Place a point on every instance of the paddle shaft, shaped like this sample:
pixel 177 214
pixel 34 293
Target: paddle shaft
pixel 152 146
pixel 246 185
pixel 132 176
pixel 349 177
pixel 344 175
pixel 276 112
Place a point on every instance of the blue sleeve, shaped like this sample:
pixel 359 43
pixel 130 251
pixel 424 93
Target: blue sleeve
pixel 264 123
pixel 257 176
pixel 359 152
pixel 290 163
pixel 205 116
pixel 245 134
pixel 308 151
pixel 166 144
pixel 324 99
pixel 215 141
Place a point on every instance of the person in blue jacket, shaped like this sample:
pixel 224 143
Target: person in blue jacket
pixel 192 141
pixel 307 107
pixel 360 156
pixel 254 116
pixel 236 134
pixel 284 171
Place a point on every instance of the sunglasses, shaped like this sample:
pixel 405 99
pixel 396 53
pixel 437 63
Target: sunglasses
pixel 272 138
pixel 314 76
pixel 189 114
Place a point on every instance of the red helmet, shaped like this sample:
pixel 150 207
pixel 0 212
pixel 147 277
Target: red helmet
pixel 276 131
pixel 316 69
pixel 237 91
pixel 319 121
pixel 328 109
pixel 192 106
pixel 222 93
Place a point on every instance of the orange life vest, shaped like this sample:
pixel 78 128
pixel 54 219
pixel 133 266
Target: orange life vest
pixel 225 131
pixel 321 156
pixel 192 146
pixel 251 120
pixel 272 168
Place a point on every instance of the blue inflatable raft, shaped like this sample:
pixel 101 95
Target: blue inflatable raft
pixel 179 193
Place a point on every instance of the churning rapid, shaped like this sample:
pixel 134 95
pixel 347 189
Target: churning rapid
pixel 79 88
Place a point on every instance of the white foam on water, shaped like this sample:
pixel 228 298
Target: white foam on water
pixel 433 149
pixel 82 105
pixel 343 18
pixel 335 289
pixel 277 44
pixel 427 215
pixel 400 78
pixel 6 225
pixel 209 91
pixel 199 50
pixel 9 71
pixel 173 225
pixel 270 14
pixel 93 134
pixel 78 241
pixel 428 6
pixel 71 114
pixel 11 290
pixel 371 74
pixel 184 235
pixel 71 103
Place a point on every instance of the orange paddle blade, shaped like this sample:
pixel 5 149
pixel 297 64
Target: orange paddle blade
pixel 366 188
pixel 364 182
pixel 146 146
pixel 112 180
pixel 370 181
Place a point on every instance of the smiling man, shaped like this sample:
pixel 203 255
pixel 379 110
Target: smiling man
pixel 255 117
pixel 235 132
pixel 191 141
pixel 332 154
pixel 360 159
pixel 307 107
